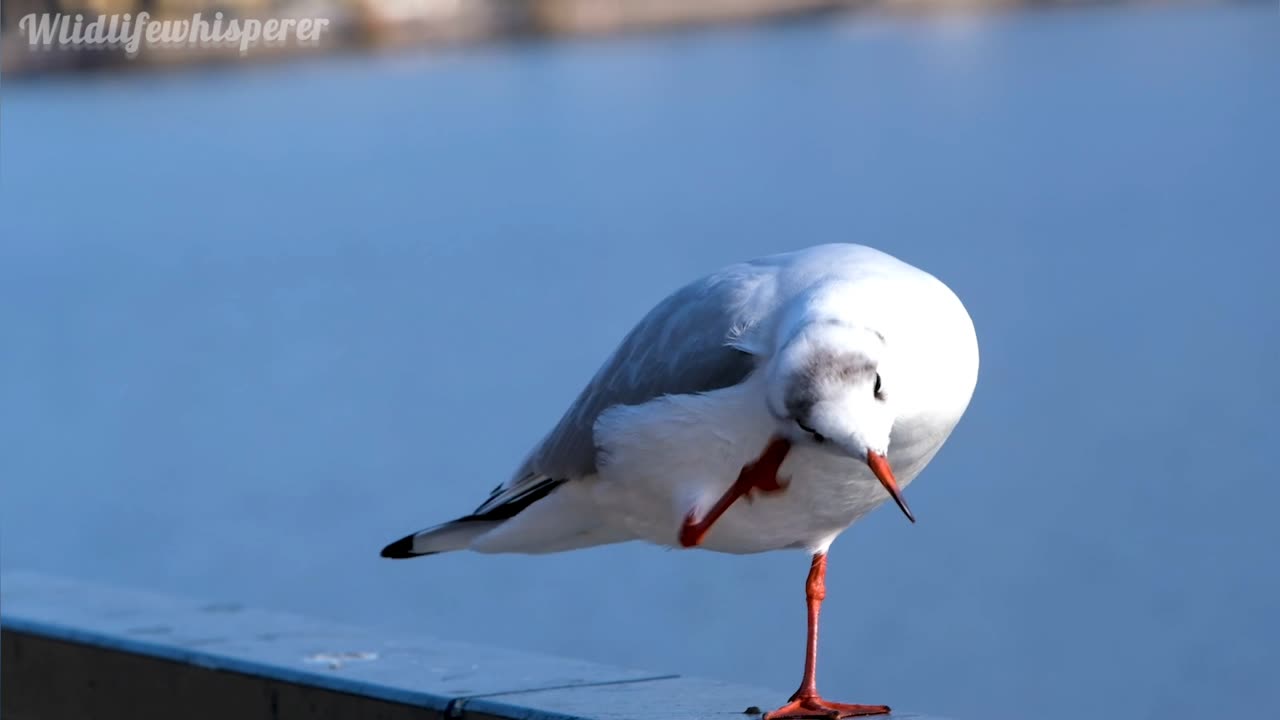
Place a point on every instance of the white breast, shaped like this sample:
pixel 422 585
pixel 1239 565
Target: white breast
pixel 677 454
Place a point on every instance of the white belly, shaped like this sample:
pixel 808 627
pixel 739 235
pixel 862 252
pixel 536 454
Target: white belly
pixel 679 454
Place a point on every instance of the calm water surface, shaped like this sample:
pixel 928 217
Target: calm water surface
pixel 258 323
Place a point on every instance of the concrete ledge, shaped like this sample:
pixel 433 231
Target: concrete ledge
pixel 70 650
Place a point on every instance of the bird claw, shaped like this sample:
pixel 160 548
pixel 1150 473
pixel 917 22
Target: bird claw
pixel 692 531
pixel 767 486
pixel 816 707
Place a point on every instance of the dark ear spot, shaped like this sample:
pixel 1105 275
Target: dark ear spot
pixel 824 369
pixel 801 398
pixel 842 367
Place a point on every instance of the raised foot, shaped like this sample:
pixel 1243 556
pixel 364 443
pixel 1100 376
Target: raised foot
pixel 693 530
pixel 760 475
pixel 766 484
pixel 815 707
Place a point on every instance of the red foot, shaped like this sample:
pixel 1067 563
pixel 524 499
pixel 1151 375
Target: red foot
pixel 760 475
pixel 805 702
pixel 692 532
pixel 812 706
pixel 766 482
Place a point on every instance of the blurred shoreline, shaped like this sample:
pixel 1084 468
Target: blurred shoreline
pixel 365 24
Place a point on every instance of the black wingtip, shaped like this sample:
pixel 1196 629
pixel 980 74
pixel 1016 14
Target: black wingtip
pixel 401 549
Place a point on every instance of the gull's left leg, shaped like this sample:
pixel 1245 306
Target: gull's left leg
pixel 806 702
pixel 760 475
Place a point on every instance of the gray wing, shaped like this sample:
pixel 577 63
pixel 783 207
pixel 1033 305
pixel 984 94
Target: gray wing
pixel 684 345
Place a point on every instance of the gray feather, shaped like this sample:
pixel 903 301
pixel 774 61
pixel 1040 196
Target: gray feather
pixel 686 344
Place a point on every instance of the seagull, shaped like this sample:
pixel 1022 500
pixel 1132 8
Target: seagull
pixel 766 406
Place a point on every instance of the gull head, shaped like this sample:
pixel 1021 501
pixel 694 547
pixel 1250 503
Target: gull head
pixel 829 387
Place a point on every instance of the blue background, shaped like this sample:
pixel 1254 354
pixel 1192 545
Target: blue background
pixel 257 323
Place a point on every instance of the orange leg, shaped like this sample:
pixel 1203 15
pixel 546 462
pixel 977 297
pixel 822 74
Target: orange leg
pixel 760 475
pixel 806 703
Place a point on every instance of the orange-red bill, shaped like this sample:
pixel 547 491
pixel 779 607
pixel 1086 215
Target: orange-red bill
pixel 880 467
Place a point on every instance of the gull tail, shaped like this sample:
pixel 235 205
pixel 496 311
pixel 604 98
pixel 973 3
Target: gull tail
pixel 454 535
pixel 505 502
pixel 534 515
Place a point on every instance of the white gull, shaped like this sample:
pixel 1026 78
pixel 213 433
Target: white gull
pixel 769 405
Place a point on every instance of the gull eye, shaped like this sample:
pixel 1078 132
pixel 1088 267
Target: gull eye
pixel 877 388
pixel 816 435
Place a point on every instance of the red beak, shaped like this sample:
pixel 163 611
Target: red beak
pixel 880 467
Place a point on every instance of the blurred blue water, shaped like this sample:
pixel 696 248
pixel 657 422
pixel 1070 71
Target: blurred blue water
pixel 258 323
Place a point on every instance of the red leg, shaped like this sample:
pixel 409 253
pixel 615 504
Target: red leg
pixel 760 475
pixel 806 703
